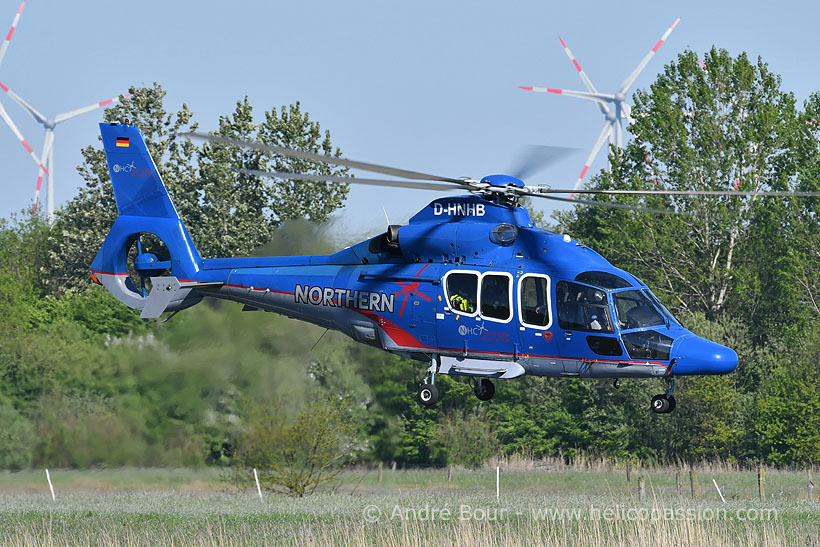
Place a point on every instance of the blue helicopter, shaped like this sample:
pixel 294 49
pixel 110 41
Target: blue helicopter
pixel 470 286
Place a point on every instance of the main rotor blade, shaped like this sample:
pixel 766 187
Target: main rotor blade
pixel 608 204
pixel 635 73
pixel 536 158
pixel 735 193
pixel 7 41
pixel 326 159
pixel 350 180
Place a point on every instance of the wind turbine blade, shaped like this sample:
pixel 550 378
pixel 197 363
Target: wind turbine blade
pixel 7 119
pixel 601 97
pixel 606 132
pixel 635 73
pixel 39 118
pixel 48 142
pixel 581 72
pixel 68 115
pixel 372 167
pixel 627 111
pixel 350 180
pixel 7 41
pixel 608 204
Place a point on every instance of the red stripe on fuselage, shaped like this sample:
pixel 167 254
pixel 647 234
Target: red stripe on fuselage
pixel 408 341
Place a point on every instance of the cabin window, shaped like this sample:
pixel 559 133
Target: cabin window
pixel 462 292
pixel 635 310
pixel 534 301
pixel 582 308
pixel 495 297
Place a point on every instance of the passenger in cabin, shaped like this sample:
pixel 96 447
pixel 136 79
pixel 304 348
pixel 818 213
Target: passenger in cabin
pixel 459 302
pixel 594 324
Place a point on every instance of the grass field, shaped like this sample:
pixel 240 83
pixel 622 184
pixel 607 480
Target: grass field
pixel 549 506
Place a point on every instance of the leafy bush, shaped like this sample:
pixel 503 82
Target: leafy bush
pixel 466 438
pixel 299 455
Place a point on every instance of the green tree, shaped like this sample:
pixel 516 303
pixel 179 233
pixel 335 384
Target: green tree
pixel 723 127
pixel 227 211
pixel 238 211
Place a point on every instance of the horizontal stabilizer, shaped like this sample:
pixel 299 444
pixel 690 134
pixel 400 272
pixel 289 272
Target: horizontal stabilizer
pixel 167 293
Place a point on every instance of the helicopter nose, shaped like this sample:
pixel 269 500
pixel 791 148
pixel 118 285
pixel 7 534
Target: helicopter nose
pixel 695 355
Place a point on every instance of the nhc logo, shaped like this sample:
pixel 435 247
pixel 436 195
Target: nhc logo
pixel 117 168
pixel 477 330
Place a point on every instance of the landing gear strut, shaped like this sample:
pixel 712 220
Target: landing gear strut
pixel 484 390
pixel 665 402
pixel 428 392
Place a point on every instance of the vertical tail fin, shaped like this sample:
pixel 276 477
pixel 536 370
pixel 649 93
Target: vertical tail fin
pixel 144 206
pixel 138 187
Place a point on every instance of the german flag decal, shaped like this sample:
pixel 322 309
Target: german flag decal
pixel 123 142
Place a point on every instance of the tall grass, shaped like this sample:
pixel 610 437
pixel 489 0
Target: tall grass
pixel 543 507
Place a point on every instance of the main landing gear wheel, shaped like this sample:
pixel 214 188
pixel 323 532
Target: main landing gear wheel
pixel 484 390
pixel 663 404
pixel 428 394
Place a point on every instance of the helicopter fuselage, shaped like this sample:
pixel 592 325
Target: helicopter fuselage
pixel 469 285
pixel 538 303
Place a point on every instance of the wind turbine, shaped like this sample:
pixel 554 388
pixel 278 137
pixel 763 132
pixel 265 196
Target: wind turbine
pixel 612 105
pixel 3 113
pixel 49 124
pixel 48 143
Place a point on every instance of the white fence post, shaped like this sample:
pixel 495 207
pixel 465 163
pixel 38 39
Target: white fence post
pixel 50 486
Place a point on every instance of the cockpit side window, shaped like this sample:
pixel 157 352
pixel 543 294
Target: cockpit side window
pixel 462 292
pixel 582 308
pixel 636 310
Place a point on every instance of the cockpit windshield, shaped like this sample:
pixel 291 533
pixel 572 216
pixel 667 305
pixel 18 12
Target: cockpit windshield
pixel 661 307
pixel 636 310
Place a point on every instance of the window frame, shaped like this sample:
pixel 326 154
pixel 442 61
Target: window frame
pixel 446 288
pixel 510 302
pixel 521 304
pixel 480 276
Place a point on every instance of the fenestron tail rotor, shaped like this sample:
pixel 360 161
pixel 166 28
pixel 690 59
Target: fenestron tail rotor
pixel 148 257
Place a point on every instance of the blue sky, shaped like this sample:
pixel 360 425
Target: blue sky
pixel 429 86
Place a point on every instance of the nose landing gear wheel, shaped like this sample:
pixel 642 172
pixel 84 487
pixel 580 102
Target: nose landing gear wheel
pixel 428 394
pixel 484 390
pixel 663 404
